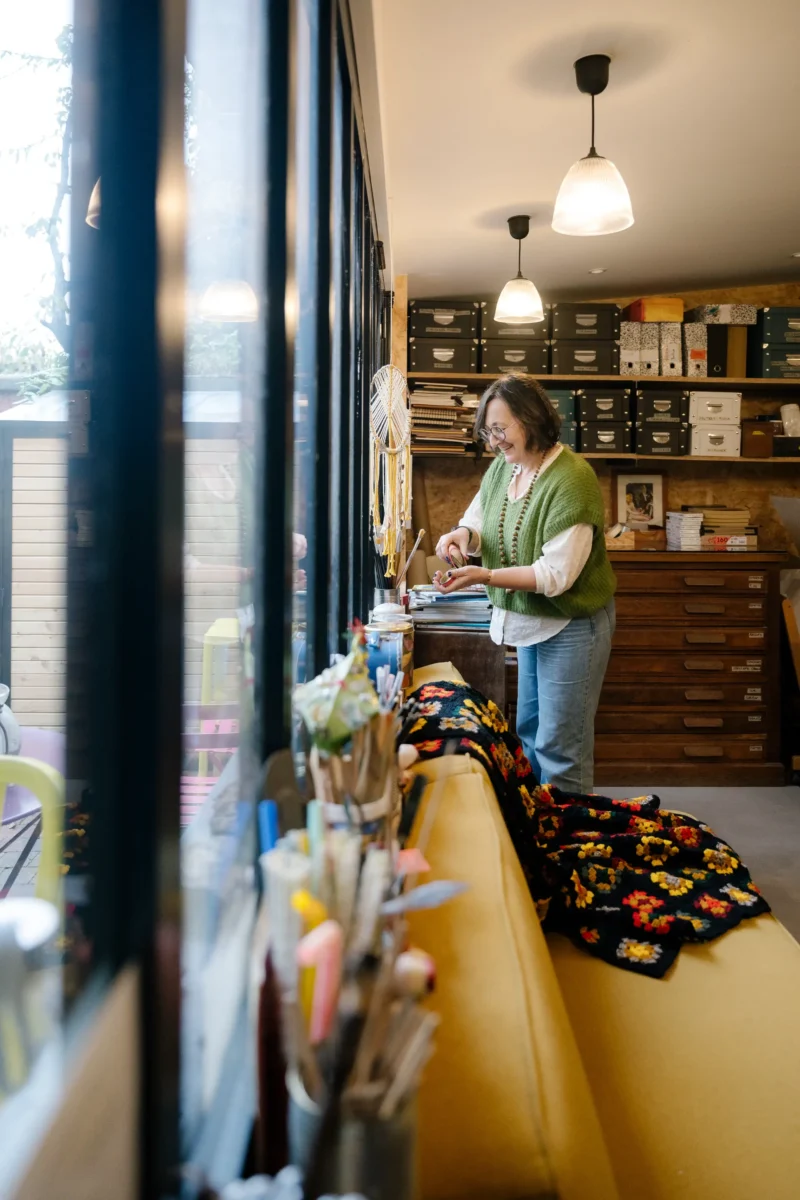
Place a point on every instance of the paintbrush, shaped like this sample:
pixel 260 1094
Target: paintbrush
pixel 414 549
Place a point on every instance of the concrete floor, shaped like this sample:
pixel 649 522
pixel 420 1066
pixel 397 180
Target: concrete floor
pixel 762 825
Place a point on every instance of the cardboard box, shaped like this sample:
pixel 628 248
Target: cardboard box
pixel 586 322
pixel 757 439
pixel 605 404
pixel 662 406
pixel 695 350
pixel 781 325
pixel 606 437
pixel 569 434
pixel 584 358
pixel 429 354
pixel 716 441
pixel 536 331
pixel 564 401
pixel 655 308
pixel 672 439
pixel 771 361
pixel 528 357
pixel 722 314
pixel 716 408
pixel 443 318
pixel 630 347
pixel 670 354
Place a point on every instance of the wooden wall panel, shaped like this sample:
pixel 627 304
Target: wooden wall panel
pixel 39 581
pixel 762 294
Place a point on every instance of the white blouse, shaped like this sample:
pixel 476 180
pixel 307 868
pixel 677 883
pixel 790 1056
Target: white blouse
pixel 561 562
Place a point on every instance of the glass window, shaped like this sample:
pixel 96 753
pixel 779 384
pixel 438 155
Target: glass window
pixel 222 422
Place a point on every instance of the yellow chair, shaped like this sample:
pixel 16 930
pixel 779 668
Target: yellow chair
pixel 47 785
pixel 223 633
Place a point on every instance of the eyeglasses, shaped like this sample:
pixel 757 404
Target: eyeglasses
pixel 494 431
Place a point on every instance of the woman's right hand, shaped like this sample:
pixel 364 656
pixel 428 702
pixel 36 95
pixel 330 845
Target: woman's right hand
pixel 454 544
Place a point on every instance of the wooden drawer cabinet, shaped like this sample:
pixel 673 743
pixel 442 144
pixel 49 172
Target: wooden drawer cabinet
pixel 701 721
pixel 711 578
pixel 616 696
pixel 690 609
pixel 634 667
pixel 692 688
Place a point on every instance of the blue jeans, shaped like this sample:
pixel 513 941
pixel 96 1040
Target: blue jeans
pixel 558 693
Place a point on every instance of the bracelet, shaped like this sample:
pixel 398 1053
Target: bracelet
pixel 489 580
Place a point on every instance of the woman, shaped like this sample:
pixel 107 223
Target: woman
pixel 538 524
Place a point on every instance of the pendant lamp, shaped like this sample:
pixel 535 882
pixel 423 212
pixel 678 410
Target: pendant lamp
pixel 93 211
pixel 519 303
pixel 593 198
pixel 229 301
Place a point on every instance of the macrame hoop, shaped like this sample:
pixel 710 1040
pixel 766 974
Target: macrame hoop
pixel 390 464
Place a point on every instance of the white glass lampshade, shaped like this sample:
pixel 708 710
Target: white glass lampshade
pixel 519 303
pixel 593 199
pixel 93 211
pixel 229 301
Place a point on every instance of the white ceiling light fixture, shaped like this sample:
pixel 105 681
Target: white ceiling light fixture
pixel 598 270
pixel 93 211
pixel 519 302
pixel 593 198
pixel 229 301
pixel 796 254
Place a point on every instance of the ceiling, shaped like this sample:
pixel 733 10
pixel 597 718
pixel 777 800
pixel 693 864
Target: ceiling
pixel 481 118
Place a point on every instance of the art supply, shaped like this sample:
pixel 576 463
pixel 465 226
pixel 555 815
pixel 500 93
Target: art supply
pixel 323 950
pixel 285 872
pixel 412 862
pixel 429 895
pixel 375 879
pixel 268 828
pixel 315 824
pixel 414 549
pixel 312 913
pixel 414 973
pixel 346 852
pixel 270 1139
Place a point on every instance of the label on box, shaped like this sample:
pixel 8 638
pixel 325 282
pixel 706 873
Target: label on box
pixel 755 718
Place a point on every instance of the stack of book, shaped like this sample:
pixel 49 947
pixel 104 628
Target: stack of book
pixel 442 418
pixel 467 609
pixel 725 528
pixel 683 530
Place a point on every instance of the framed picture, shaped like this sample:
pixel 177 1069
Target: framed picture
pixel 639 499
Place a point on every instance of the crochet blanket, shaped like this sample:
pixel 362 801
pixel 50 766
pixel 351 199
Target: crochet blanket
pixel 624 879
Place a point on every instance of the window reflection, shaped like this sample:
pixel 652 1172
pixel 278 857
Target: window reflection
pixel 223 369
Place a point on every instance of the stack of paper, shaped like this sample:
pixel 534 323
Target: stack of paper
pixel 442 419
pixel 725 528
pixel 683 530
pixel 467 609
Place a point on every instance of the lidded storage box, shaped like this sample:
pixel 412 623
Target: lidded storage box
pixel 491 330
pixel 609 437
pixel 431 354
pixel 531 358
pixel 781 325
pixel 652 438
pixel 662 406
pixel 443 318
pixel 605 404
pixel 724 408
pixel 716 440
pixel 582 358
pixel 564 401
pixel 586 322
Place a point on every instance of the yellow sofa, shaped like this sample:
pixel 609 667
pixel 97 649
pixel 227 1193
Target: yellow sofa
pixel 557 1075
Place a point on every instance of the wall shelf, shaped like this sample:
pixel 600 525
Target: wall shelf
pixel 780 385
pixel 643 458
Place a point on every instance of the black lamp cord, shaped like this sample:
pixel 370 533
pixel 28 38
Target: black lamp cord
pixel 592 152
pixel 519 259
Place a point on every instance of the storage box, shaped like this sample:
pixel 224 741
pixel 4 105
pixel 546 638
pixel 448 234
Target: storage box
pixel 638 539
pixel 529 357
pixel 569 434
pixel 695 350
pixel 716 441
pixel 609 437
pixel 770 360
pixel 430 354
pixel 722 314
pixel 491 330
pixel 655 308
pixel 651 438
pixel 605 404
pixel 724 408
pixel 781 325
pixel 630 347
pixel 757 439
pixel 586 322
pixel 579 358
pixel 670 354
pixel 565 402
pixel 717 358
pixel 649 349
pixel 786 447
pixel 662 406
pixel 444 318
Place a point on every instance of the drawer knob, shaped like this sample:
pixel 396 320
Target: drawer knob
pixel 704 581
pixel 703 722
pixel 704 694
pixel 705 610
pixel 703 751
pixel 704 664
pixel 709 637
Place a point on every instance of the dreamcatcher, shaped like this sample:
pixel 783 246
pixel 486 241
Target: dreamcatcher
pixel 390 464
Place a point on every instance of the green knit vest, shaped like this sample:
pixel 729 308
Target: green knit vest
pixel 567 494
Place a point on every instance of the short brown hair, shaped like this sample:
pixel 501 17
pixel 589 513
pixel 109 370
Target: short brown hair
pixel 531 406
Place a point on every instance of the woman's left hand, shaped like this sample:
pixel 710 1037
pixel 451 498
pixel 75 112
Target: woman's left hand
pixel 458 578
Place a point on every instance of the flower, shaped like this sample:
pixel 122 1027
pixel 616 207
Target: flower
pixel 524 768
pixel 432 746
pixel 432 691
pixel 644 919
pixel 676 885
pixel 720 860
pixel 656 851
pixel 713 905
pixel 504 758
pixel 753 888
pixel 589 833
pixel 638 952
pixel 460 723
pixel 430 709
pixel 747 899
pixel 631 805
pixel 468 744
pixel 595 850
pixel 605 879
pixel 600 814
pixel 590 935
pixel 698 923
pixel 643 825
pixel 643 901
pixel 582 894
pixel 688 835
pixel 420 723
pixel 530 804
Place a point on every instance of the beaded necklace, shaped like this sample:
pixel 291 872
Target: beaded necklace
pixel 520 517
